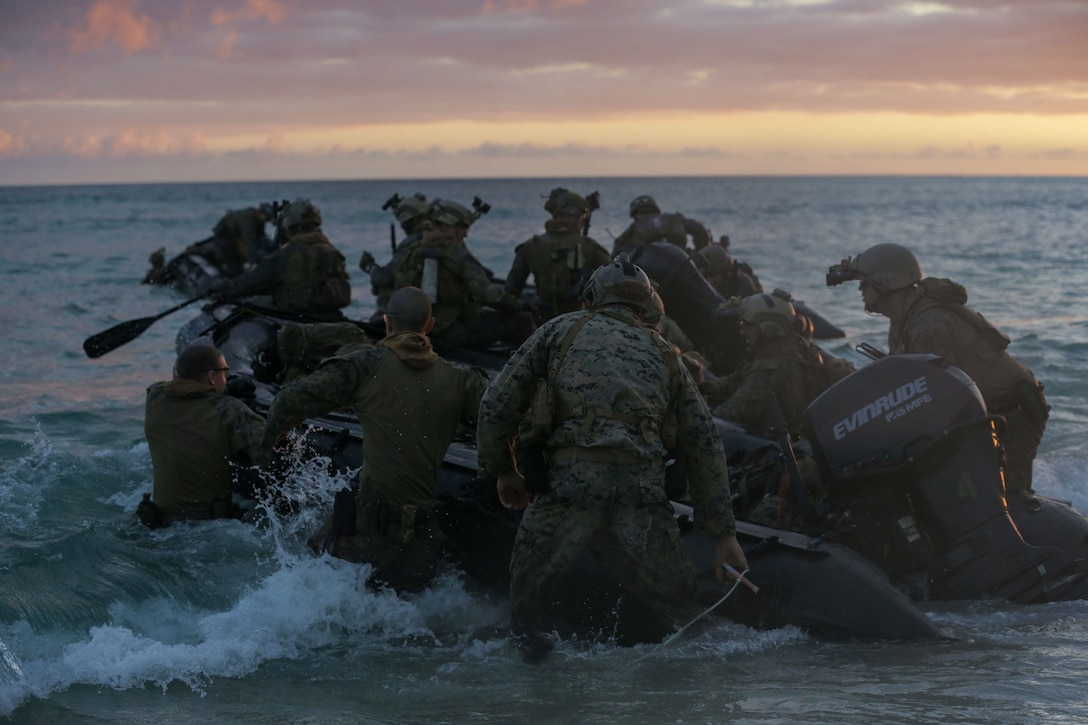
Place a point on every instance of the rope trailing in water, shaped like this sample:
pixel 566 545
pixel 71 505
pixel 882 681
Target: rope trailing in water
pixel 715 605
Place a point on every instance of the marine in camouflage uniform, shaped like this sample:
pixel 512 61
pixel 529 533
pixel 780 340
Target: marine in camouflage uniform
pixel 240 239
pixel 410 403
pixel 615 387
pixel 200 439
pixel 412 215
pixel 469 310
pixel 930 316
pixel 560 259
pixel 306 276
pixel 779 362
pixel 651 225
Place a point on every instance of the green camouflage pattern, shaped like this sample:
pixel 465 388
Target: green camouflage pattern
pixel 622 507
pixel 615 372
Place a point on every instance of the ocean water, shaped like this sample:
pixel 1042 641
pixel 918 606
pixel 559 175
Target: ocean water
pixel 104 621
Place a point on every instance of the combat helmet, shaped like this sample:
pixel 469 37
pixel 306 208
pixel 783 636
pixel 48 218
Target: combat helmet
pixel 570 203
pixel 772 313
pixel 444 211
pixel 619 281
pixel 411 211
pixel 713 260
pixel 549 203
pixel 888 266
pixel 300 213
pixel 643 205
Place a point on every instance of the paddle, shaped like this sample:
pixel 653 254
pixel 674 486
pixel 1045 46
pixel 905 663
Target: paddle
pixel 113 338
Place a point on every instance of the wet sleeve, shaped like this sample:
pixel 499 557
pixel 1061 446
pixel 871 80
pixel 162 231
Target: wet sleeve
pixel 505 401
pixel 330 387
pixel 245 428
pixel 473 388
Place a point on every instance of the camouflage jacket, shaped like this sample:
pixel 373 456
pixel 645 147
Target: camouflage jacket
pixel 308 275
pixel 383 279
pixel 557 261
pixel 788 366
pixel 462 282
pixel 613 389
pixel 409 401
pixel 939 322
pixel 195 435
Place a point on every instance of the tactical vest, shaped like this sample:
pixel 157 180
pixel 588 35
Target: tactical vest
pixel 998 374
pixel 436 266
pixel 315 279
pixel 556 262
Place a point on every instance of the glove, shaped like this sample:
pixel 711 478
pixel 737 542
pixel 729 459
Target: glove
pixel 366 262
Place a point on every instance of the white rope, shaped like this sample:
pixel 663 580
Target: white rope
pixel 713 606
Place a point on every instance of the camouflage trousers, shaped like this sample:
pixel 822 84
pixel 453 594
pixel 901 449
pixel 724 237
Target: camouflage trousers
pixel 623 510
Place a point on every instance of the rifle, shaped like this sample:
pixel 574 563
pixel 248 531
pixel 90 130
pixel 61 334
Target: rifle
pixel 873 353
pixel 780 431
pixel 594 200
pixel 391 203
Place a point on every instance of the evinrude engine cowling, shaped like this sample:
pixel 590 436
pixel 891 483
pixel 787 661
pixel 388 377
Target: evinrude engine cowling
pixel 912 463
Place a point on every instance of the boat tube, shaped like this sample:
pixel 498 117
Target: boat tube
pixel 823 587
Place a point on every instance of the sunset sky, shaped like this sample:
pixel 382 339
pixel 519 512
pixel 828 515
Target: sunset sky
pixel 195 90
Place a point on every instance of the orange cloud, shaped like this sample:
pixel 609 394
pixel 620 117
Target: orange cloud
pixel 114 22
pixel 9 145
pixel 270 10
pixel 524 6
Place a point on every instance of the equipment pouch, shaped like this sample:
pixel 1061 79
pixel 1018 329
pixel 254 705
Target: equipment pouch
pixel 534 460
pixel 1032 401
pixel 541 415
pixel 148 513
pixel 429 281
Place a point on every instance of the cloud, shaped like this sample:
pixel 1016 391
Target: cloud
pixel 113 22
pixel 528 79
pixel 270 10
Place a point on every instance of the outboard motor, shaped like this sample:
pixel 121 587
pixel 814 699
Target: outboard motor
pixel 912 466
pixel 691 301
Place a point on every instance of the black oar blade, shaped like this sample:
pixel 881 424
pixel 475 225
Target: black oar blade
pixel 113 338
